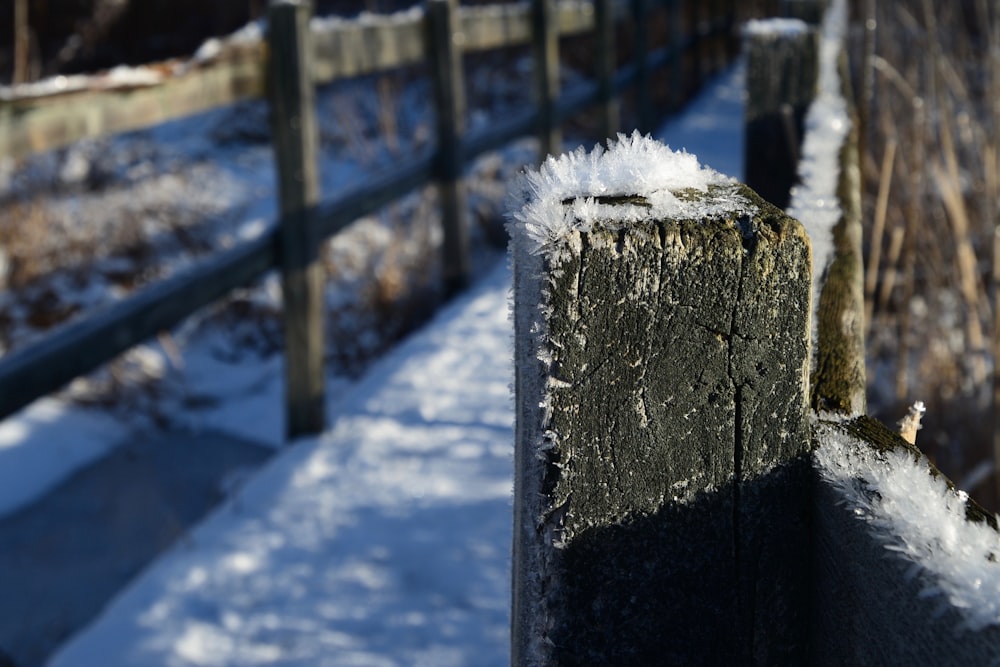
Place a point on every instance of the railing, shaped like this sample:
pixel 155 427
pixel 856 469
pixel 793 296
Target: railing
pixel 695 480
pixel 300 58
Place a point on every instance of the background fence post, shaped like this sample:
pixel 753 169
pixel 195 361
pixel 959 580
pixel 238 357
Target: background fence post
pixel 444 42
pixel 606 66
pixel 697 44
pixel 661 503
pixel 782 74
pixel 545 48
pixel 678 86
pixel 643 98
pixel 810 11
pixel 295 136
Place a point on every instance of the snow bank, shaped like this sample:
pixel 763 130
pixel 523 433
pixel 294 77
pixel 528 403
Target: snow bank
pixel 915 514
pixel 636 178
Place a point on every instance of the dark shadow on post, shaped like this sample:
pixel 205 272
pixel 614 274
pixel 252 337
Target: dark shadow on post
pixel 658 589
pixel 875 606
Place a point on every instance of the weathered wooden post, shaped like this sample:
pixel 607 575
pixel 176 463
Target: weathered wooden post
pixel 782 72
pixel 295 137
pixel 444 41
pixel 662 343
pixel 545 50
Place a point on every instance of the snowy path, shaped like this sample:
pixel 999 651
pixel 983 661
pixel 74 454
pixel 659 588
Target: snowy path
pixel 383 542
pixel 386 540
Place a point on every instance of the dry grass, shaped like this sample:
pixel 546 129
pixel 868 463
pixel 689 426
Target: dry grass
pixel 932 185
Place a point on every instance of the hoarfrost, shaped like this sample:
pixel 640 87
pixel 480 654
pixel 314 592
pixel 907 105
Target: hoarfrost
pixel 919 517
pixel 635 178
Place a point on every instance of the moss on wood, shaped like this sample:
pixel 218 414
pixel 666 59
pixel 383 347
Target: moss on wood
pixel 838 381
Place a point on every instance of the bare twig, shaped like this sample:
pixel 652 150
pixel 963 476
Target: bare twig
pixel 910 424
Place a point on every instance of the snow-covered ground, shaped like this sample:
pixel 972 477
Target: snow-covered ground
pixel 381 542
pixel 384 541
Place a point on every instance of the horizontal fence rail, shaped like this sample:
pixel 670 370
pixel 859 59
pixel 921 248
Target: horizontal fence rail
pixel 342 49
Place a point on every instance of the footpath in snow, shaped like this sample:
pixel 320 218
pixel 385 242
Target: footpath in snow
pixel 382 542
pixel 386 540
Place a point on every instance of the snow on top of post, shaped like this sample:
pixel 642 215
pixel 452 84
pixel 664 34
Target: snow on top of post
pixel 636 178
pixel 776 27
pixel 917 516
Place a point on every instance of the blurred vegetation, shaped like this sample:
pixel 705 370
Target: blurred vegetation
pixel 930 73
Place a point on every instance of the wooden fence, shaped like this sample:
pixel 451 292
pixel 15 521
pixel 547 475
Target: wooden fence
pixel 695 480
pixel 439 33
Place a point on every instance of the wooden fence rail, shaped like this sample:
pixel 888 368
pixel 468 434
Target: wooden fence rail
pixel 340 49
pixel 695 480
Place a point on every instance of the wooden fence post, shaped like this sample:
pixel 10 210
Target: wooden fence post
pixel 545 49
pixel 810 11
pixel 694 30
pixel 661 469
pixel 720 47
pixel 22 42
pixel 678 92
pixel 606 66
pixel 445 44
pixel 643 100
pixel 782 74
pixel 295 137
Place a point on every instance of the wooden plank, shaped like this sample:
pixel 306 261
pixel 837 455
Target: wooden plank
pixel 375 43
pixel 573 16
pixel 79 347
pixel 545 54
pixel 662 442
pixel 358 47
pixel 445 40
pixel 37 124
pixel 296 140
pixel 342 50
pixel 497 26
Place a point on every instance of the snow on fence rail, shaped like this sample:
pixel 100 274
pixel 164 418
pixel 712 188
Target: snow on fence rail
pixel 238 68
pixel 695 481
